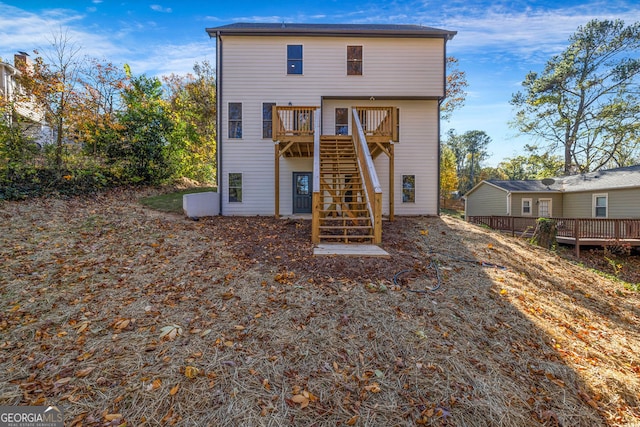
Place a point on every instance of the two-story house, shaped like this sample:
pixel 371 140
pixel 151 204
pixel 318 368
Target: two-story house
pixel 18 109
pixel 340 121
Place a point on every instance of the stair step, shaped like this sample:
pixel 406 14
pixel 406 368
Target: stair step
pixel 345 227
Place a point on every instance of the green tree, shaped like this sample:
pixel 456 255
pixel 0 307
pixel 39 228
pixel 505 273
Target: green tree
pixel 532 166
pixel 192 103
pixel 140 142
pixel 585 102
pixel 448 175
pixel 470 150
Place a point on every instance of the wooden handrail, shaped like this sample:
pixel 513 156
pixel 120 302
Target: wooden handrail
pixel 369 176
pixel 292 121
pixel 378 122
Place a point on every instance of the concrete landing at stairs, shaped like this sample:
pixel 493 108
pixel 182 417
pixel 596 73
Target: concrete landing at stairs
pixel 355 250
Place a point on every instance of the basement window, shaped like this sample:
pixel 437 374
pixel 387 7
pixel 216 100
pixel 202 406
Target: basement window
pixel 235 188
pixel 408 188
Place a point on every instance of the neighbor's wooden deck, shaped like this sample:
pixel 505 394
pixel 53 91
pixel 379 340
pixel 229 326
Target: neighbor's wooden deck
pixel 572 231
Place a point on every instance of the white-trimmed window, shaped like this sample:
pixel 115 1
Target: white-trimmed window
pixel 235 188
pixel 526 207
pixel 601 205
pixel 408 188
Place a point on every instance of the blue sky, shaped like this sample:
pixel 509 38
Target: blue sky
pixel 497 44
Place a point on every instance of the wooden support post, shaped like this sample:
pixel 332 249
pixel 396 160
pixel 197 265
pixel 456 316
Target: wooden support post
pixel 315 217
pixel 277 179
pixel 377 217
pixel 391 183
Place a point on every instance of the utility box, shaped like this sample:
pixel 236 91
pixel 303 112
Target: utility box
pixel 197 205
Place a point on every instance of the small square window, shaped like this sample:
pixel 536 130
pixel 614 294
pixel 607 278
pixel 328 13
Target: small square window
pixel 235 187
pixel 408 188
pixel 294 59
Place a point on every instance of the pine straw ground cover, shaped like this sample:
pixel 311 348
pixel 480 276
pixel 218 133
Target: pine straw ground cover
pixel 126 316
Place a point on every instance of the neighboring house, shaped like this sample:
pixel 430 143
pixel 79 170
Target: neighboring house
pixel 341 121
pixel 24 112
pixel 613 193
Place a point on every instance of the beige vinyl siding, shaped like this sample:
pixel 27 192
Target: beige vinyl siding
pixel 254 71
pixel 487 200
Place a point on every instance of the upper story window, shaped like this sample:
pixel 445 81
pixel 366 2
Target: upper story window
pixel 354 60
pixel 267 119
pixel 294 59
pixel 342 121
pixel 600 205
pixel 235 120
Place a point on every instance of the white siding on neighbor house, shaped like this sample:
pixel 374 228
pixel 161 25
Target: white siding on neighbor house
pixel 487 200
pixel 254 71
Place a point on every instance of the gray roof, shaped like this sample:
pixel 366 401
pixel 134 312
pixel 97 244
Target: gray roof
pixel 603 180
pixel 366 30
pixel 610 179
pixel 526 186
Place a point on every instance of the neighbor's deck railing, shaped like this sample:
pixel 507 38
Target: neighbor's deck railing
pixel 585 231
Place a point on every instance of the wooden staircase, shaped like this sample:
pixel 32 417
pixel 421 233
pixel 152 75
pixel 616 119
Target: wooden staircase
pixel 344 215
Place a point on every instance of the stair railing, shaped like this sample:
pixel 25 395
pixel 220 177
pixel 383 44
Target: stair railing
pixel 369 177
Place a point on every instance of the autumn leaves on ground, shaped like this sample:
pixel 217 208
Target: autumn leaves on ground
pixel 122 315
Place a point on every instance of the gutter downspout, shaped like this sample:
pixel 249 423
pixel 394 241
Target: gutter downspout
pixel 509 203
pixel 219 117
pixel 442 98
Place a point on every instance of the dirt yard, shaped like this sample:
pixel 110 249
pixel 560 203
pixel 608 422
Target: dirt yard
pixel 124 316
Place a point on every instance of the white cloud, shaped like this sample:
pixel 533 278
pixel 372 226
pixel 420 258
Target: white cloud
pixel 158 8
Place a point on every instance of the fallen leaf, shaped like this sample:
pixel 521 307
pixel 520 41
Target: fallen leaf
pixel 111 417
pixel 373 388
pixel 170 332
pixel 154 385
pixel 191 372
pixel 174 390
pixel 352 421
pixel 84 372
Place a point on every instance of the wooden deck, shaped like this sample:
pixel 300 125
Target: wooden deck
pixel 571 231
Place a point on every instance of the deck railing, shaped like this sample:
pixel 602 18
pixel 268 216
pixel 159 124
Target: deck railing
pixel 369 177
pixel 292 123
pixel 576 231
pixel 378 122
